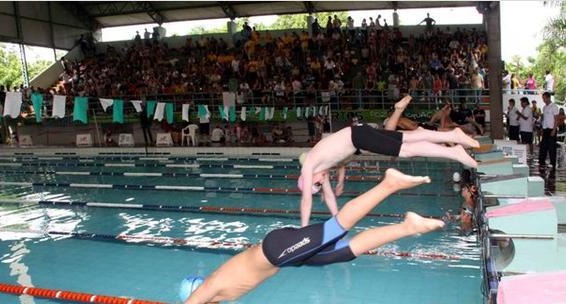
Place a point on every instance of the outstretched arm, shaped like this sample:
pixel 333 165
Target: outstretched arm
pixel 328 195
pixel 341 179
pixel 306 198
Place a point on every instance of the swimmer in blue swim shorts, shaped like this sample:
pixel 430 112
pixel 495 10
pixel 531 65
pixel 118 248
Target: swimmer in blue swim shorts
pixel 317 244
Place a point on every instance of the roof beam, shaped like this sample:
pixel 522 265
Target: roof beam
pixel 151 11
pixel 228 10
pixel 81 14
pixel 309 7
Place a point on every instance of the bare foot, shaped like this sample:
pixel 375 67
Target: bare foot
pixel 462 156
pixel 461 138
pixel 417 224
pixel 399 181
pixel 403 103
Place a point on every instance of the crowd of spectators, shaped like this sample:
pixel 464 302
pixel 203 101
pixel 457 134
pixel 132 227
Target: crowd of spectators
pixel 292 67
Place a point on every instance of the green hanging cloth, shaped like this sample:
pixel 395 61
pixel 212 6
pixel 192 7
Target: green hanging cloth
pixel 80 108
pixel 221 112
pixel 169 107
pixel 150 108
pixel 262 114
pixel 118 111
pixel 37 101
pixel 202 112
pixel 232 113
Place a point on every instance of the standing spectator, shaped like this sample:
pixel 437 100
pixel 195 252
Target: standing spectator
pixel 429 23
pixel 315 28
pixel 549 83
pixel 531 84
pixel 351 28
pixel 477 84
pixel 336 24
pixel 526 124
pixel 506 82
pixel 146 35
pixel 146 126
pixel 513 120
pixel 515 84
pixel 537 115
pixel 549 128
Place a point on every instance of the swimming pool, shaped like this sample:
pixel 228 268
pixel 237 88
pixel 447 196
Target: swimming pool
pixel 200 224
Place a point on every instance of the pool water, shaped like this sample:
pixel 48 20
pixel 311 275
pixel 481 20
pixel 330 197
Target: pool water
pixel 440 267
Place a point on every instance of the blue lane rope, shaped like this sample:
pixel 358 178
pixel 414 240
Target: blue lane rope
pixel 251 190
pixel 180 174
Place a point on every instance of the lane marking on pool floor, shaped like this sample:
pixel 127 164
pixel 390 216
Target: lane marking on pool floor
pixel 215 244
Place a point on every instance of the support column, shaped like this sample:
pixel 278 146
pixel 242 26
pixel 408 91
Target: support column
pixel 232 29
pixel 493 28
pixel 395 18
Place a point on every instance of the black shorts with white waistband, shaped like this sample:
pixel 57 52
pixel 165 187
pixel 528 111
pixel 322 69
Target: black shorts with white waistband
pixel 378 141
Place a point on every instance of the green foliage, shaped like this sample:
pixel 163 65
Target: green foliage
pixel 37 67
pixel 551 55
pixel 11 68
pixel 299 21
pixel 555 31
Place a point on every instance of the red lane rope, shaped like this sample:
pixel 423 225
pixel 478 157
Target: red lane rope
pixel 70 296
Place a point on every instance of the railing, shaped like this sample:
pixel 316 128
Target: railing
pixel 348 99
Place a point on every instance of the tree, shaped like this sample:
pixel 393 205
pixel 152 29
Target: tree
pixel 299 21
pixel 11 68
pixel 555 31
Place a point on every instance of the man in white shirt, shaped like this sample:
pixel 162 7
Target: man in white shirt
pixel 526 124
pixel 548 82
pixel 549 128
pixel 513 120
pixel 507 82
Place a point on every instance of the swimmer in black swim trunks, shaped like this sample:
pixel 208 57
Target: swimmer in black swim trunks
pixel 317 244
pixel 333 149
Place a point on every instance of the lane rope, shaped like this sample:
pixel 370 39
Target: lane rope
pixel 371 168
pixel 71 296
pixel 181 174
pixel 220 189
pixel 208 209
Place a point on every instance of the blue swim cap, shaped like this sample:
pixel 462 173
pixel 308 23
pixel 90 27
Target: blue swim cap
pixel 188 285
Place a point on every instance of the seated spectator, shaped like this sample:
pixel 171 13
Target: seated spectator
pixel 288 135
pixel 108 140
pixel 277 134
pixel 217 135
pixel 258 138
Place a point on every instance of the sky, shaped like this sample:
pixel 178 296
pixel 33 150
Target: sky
pixel 520 31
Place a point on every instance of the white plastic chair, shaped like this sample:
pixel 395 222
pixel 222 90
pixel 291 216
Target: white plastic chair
pixel 189 133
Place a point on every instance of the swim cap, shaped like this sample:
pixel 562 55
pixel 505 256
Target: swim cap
pixel 302 158
pixel 314 188
pixel 188 285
